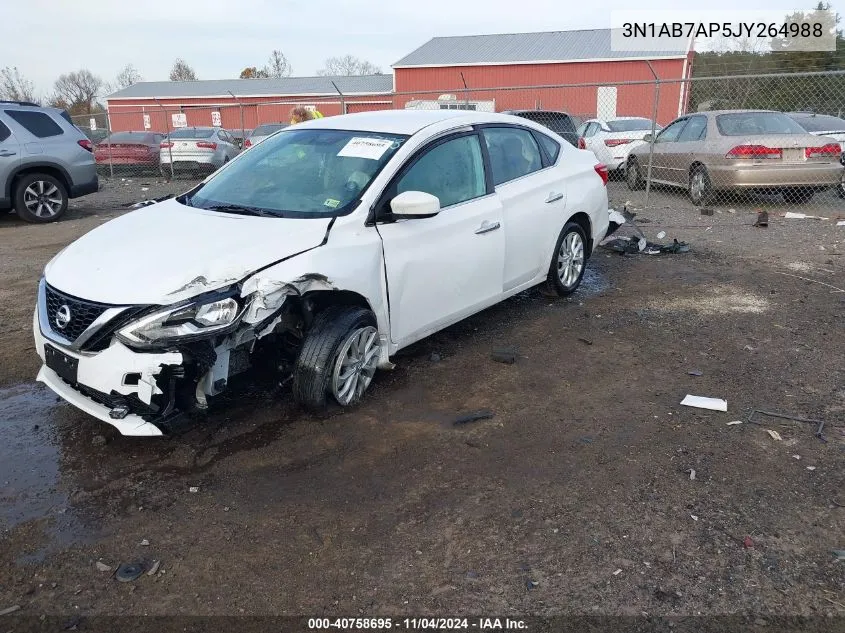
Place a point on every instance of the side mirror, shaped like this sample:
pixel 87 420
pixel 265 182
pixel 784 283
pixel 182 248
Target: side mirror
pixel 648 138
pixel 414 204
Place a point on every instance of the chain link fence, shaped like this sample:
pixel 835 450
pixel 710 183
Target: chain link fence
pixel 752 141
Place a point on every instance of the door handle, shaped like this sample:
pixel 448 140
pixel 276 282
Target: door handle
pixel 554 197
pixel 486 227
pixel 7 153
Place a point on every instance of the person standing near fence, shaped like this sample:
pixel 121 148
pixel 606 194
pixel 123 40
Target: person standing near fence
pixel 300 114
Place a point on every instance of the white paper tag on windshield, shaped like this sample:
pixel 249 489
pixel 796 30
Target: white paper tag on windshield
pixel 371 148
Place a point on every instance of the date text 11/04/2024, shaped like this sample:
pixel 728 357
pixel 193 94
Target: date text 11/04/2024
pixel 632 30
pixel 417 624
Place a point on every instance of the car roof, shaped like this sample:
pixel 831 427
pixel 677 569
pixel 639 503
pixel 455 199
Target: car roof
pixel 403 121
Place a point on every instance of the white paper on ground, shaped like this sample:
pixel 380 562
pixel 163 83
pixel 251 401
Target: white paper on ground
pixel 700 402
pixel 360 147
pixel 840 223
pixel 794 216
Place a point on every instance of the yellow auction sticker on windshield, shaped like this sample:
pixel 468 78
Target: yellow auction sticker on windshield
pixel 331 203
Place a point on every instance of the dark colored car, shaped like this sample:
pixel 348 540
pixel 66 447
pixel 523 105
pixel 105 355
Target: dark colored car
pixel 560 123
pixel 129 149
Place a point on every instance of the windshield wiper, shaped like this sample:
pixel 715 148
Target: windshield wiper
pixel 240 210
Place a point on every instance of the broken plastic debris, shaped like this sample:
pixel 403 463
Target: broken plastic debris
pixel 748 543
pixel 695 372
pixel 735 422
pixel 661 235
pixel 154 569
pixel 839 554
pixel 144 543
pixel 693 517
pixel 774 434
pixel 128 572
pixel 692 474
pixel 811 467
pixel 701 402
pixel 193 489
pixel 617 572
pixel 796 457
pixel 101 566
pixel 840 223
pixel 790 215
pixel 12 609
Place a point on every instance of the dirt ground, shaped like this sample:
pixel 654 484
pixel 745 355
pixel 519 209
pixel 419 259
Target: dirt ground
pixel 575 498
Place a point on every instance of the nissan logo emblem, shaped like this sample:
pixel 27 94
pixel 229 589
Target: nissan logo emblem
pixel 62 317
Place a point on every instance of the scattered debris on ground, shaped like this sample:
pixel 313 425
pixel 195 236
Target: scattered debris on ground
pixel 101 566
pixel 585 340
pixel 702 402
pixel 153 570
pixel 774 434
pixel 791 215
pixel 506 355
pixel 819 433
pixel 129 572
pixel 691 472
pixel 637 243
pixel 762 219
pixel 735 422
pixel 695 372
pixel 12 609
pixel 839 554
pixel 748 543
pixel 707 211
pixel 484 414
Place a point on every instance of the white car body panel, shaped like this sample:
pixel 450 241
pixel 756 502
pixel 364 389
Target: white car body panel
pixel 418 276
pixel 615 156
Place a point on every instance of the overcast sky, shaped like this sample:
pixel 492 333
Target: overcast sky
pixel 219 38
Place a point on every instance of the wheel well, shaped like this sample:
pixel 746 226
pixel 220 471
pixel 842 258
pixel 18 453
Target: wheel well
pixel 56 173
pixel 583 220
pixel 695 166
pixel 318 300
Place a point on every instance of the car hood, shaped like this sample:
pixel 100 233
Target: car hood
pixel 167 252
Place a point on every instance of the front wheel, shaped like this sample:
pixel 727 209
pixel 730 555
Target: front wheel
pixel 338 358
pixel 633 176
pixel 568 261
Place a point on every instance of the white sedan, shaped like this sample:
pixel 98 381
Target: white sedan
pixel 612 140
pixel 320 253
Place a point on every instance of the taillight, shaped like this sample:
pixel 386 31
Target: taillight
pixel 165 145
pixel 206 145
pixel 831 150
pixel 613 142
pixel 86 144
pixel 247 143
pixel 582 144
pixel 754 151
pixel 601 170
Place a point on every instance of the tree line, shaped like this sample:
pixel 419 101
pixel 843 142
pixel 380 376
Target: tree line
pixel 81 91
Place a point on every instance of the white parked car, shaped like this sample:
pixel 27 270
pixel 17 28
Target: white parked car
pixel 612 140
pixel 324 249
pixel 197 149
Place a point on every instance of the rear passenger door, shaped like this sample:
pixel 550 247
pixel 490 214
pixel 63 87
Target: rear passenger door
pixel 680 154
pixel 532 195
pixel 10 158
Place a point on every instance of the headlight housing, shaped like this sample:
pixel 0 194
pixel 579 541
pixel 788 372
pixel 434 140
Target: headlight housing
pixel 182 323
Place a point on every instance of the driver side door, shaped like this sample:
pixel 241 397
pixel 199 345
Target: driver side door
pixel 443 268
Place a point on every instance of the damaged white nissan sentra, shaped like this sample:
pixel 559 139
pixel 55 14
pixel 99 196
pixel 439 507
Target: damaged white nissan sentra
pixel 318 253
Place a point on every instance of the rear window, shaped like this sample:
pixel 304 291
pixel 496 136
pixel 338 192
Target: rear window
pixel 629 125
pixel 821 123
pixel 756 123
pixel 266 130
pixel 555 121
pixel 192 132
pixel 36 123
pixel 4 132
pixel 132 137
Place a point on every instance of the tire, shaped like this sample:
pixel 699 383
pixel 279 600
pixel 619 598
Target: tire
pixel 699 188
pixel 799 195
pixel 40 198
pixel 633 177
pixel 333 338
pixel 840 189
pixel 570 250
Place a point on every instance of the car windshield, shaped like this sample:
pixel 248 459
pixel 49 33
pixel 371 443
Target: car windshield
pixel 192 132
pixel 756 123
pixel 820 123
pixel 268 129
pixel 629 125
pixel 131 137
pixel 300 173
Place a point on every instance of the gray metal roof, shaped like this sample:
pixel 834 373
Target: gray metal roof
pixel 363 84
pixel 522 48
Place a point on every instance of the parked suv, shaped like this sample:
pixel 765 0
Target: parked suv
pixel 44 161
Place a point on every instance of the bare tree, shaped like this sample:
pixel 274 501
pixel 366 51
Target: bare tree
pixel 278 66
pixel 78 91
pixel 128 76
pixel 14 86
pixel 181 71
pixel 348 65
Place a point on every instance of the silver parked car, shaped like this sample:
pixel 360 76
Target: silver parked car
pixel 44 161
pixel 263 131
pixel 197 149
pixel 747 150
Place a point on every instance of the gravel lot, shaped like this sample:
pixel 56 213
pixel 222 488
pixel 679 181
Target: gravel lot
pixel 575 498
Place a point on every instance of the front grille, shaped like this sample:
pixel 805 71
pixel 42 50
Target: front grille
pixel 82 313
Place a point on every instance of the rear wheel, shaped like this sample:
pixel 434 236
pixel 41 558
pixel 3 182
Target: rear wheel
pixel 568 261
pixel 798 195
pixel 338 358
pixel 700 189
pixel 632 175
pixel 40 198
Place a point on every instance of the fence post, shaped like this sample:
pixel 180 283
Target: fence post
pixel 241 106
pixel 653 131
pixel 342 99
pixel 108 142
pixel 169 141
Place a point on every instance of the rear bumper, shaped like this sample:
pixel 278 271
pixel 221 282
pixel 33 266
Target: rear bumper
pixel 84 189
pixel 211 160
pixel 775 176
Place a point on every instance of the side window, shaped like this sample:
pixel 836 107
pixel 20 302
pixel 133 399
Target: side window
pixel 513 153
pixel 592 129
pixel 550 145
pixel 37 123
pixel 695 130
pixel 671 132
pixel 4 132
pixel 453 171
pixel 222 136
